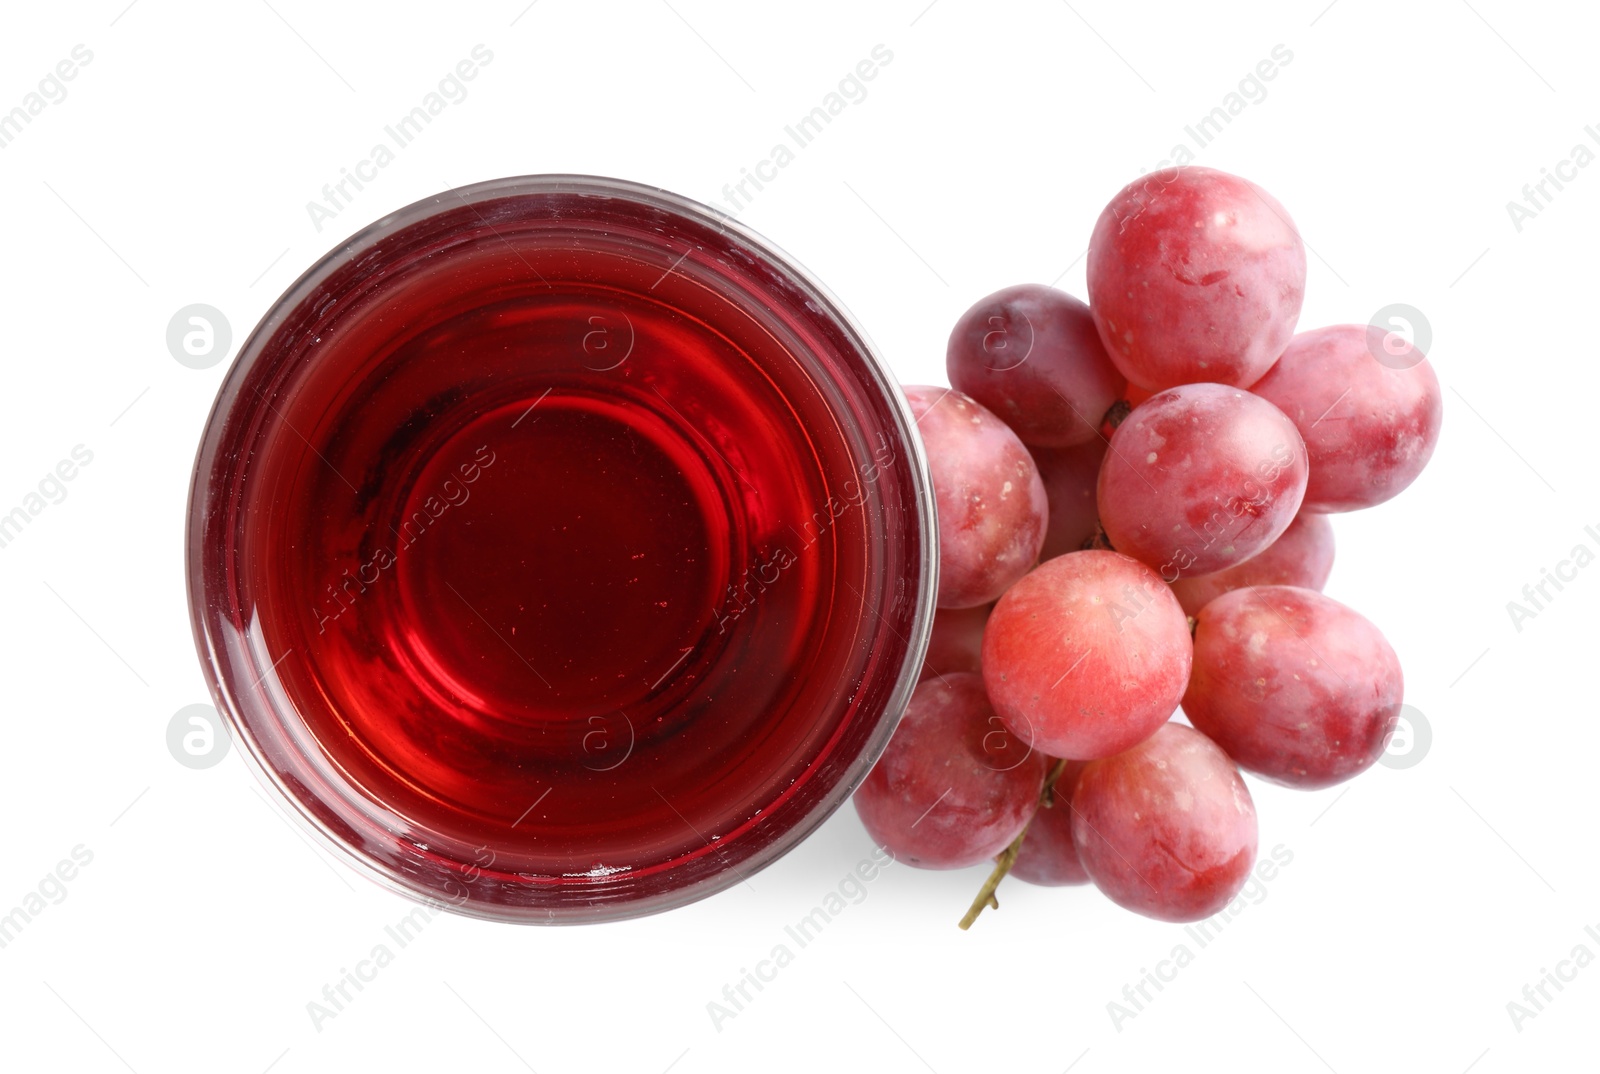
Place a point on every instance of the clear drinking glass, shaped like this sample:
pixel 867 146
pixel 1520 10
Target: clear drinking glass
pixel 559 550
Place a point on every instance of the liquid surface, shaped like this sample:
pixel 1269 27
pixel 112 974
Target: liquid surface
pixel 575 576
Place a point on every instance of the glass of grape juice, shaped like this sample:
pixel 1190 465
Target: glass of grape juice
pixel 559 550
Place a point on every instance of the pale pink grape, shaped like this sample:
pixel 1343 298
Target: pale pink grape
pixel 1302 555
pixel 1295 686
pixel 1048 856
pixel 953 788
pixel 1166 829
pixel 991 504
pixel 1070 476
pixel 1195 275
pixel 1087 655
pixel 1201 477
pixel 1369 425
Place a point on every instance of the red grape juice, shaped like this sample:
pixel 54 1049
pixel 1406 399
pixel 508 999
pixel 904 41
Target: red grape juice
pixel 576 550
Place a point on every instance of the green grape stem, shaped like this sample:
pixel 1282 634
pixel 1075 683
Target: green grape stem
pixel 1008 857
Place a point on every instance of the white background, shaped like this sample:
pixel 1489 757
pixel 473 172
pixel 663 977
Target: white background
pixel 1419 901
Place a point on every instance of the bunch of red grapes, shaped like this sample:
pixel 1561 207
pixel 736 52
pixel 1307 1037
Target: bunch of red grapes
pixel 1133 498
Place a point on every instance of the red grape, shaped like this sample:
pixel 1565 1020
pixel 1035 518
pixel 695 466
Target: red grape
pixel 1195 275
pixel 953 788
pixel 1294 685
pixel 1199 478
pixel 1048 856
pixel 991 503
pixel 1302 556
pixel 1167 828
pixel 1369 425
pixel 957 641
pixel 1069 476
pixel 1087 655
pixel 1033 356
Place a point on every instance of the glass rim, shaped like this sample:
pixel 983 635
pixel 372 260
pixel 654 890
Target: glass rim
pixel 213 661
